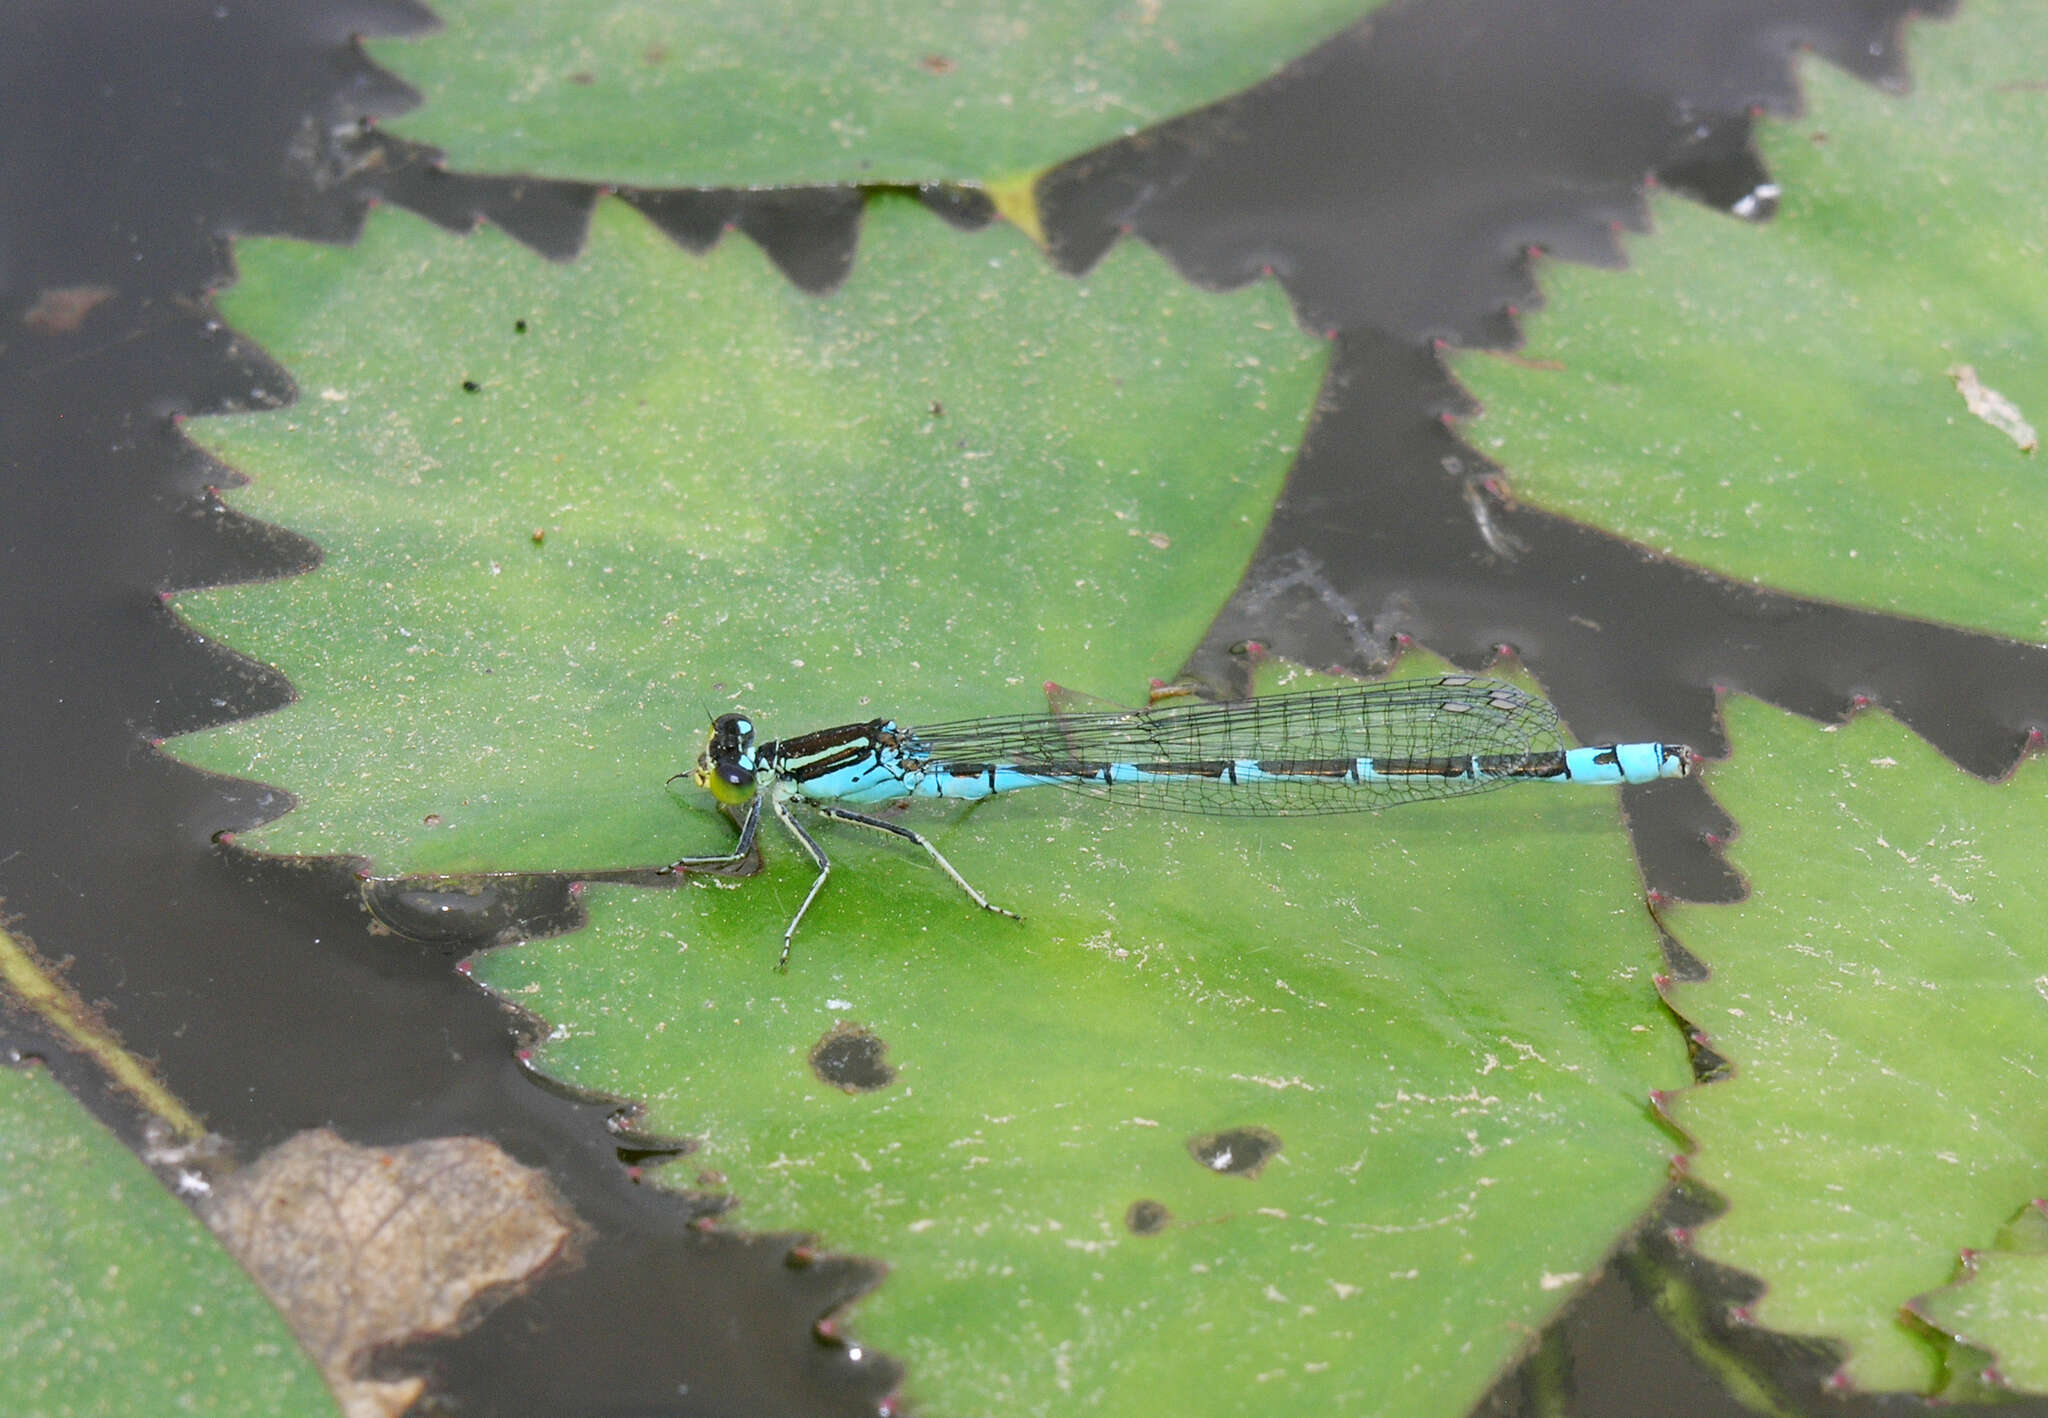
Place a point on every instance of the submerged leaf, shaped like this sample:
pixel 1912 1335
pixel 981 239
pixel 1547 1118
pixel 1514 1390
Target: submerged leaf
pixel 367 1247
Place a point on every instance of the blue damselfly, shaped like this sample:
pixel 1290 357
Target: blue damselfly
pixel 1358 748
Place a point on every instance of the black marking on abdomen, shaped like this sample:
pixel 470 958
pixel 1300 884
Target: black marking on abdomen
pixel 1309 767
pixel 1547 764
pixel 1196 768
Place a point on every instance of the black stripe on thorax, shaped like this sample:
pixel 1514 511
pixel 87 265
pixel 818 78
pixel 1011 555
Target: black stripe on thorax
pixel 823 751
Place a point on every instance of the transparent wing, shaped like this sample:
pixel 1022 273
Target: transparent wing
pixel 1186 752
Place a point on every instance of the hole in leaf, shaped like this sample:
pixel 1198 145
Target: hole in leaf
pixel 1147 1217
pixel 1240 1152
pixel 850 1058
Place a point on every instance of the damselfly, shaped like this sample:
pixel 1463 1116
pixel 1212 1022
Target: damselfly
pixel 1360 748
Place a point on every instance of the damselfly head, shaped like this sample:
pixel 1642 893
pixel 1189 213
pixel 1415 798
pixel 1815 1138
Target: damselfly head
pixel 726 767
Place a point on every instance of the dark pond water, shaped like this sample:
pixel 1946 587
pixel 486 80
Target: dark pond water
pixel 1394 181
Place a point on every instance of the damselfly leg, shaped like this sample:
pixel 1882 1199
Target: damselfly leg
pixel 863 820
pixel 824 864
pixel 747 852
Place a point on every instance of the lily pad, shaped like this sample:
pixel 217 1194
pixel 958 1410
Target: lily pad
pixel 783 94
pixel 1332 1111
pixel 113 1297
pixel 1999 1305
pixel 565 508
pixel 1786 403
pixel 1879 996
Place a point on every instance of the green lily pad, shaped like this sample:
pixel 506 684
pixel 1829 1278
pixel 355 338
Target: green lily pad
pixel 747 94
pixel 678 479
pixel 1435 1029
pixel 113 1297
pixel 1781 403
pixel 1879 996
pixel 1998 1307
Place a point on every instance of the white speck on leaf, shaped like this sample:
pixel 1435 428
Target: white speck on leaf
pixel 1994 408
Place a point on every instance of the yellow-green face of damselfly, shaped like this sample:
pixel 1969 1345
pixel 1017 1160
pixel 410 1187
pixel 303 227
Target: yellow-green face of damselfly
pixel 726 767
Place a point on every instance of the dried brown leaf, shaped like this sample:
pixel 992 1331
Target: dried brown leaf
pixel 364 1247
